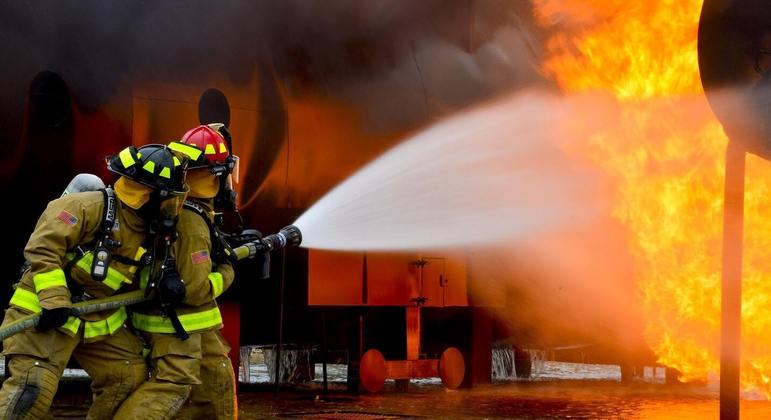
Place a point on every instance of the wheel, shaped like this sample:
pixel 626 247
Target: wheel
pixel 452 368
pixel 372 371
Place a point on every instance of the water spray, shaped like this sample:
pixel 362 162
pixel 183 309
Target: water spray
pixel 488 175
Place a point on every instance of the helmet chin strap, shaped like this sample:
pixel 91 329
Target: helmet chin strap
pixel 226 196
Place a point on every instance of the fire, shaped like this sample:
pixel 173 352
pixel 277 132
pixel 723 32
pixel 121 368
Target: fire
pixel 663 153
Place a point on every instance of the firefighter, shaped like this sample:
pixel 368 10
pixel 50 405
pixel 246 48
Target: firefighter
pixel 211 177
pixel 88 245
pixel 198 367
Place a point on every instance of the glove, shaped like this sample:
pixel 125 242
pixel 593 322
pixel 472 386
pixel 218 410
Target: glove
pixel 52 318
pixel 171 287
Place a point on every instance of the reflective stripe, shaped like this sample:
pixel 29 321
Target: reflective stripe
pixel 190 322
pixel 149 166
pixel 106 326
pixel 72 325
pixel 223 149
pixel 114 279
pixel 125 158
pixel 176 162
pixel 166 173
pixel 53 278
pixel 26 300
pixel 29 301
pixel 210 150
pixel 216 283
pixel 144 278
pixel 193 153
pixel 140 252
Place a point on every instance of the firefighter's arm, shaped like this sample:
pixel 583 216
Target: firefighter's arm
pixel 63 225
pixel 193 253
pixel 221 279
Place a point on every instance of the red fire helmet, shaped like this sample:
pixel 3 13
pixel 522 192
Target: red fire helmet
pixel 208 139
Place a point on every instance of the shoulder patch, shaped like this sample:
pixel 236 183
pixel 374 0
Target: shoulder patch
pixel 68 218
pixel 200 257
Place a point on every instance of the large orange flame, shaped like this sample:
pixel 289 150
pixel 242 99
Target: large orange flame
pixel 664 155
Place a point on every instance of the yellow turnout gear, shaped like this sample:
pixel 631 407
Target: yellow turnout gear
pixel 176 364
pixel 99 341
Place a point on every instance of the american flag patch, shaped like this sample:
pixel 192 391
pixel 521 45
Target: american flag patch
pixel 200 257
pixel 68 218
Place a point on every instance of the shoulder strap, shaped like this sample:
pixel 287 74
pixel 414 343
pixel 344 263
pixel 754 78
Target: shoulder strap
pixel 197 209
pixel 108 213
pixel 219 246
pixel 105 242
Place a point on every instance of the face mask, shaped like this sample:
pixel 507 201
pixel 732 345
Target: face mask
pixel 172 206
pixel 161 212
pixel 202 183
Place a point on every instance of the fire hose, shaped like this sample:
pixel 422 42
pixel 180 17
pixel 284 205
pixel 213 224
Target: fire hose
pixel 288 236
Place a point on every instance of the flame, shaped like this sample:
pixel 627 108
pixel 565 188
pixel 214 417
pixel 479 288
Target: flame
pixel 664 152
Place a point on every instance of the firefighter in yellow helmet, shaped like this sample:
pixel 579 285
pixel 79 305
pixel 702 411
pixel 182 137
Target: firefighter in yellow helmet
pixel 87 245
pixel 198 367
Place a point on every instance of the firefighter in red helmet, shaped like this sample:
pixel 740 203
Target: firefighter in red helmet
pixel 180 365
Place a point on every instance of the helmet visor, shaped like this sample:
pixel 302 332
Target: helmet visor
pixel 235 172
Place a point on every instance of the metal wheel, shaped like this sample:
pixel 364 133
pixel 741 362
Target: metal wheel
pixel 372 371
pixel 452 368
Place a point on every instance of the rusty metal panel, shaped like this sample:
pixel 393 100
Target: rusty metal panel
pixel 390 279
pixel 444 280
pixel 334 278
pixel 432 275
pixel 385 279
pixel 455 281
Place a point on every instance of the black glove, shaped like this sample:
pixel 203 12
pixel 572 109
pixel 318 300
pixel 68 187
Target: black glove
pixel 52 318
pixel 171 288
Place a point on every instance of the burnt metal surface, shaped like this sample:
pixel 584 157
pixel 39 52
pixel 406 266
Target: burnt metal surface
pixel 734 45
pixel 734 50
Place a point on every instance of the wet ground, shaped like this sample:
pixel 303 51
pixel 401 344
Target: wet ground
pixel 557 391
pixel 520 400
pixel 525 400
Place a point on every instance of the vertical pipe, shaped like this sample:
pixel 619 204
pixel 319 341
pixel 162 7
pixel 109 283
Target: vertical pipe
pixel 361 335
pixel 324 349
pixel 733 234
pixel 361 349
pixel 277 353
pixel 413 332
pixel 364 280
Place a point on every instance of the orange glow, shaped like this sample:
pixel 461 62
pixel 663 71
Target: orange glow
pixel 663 153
